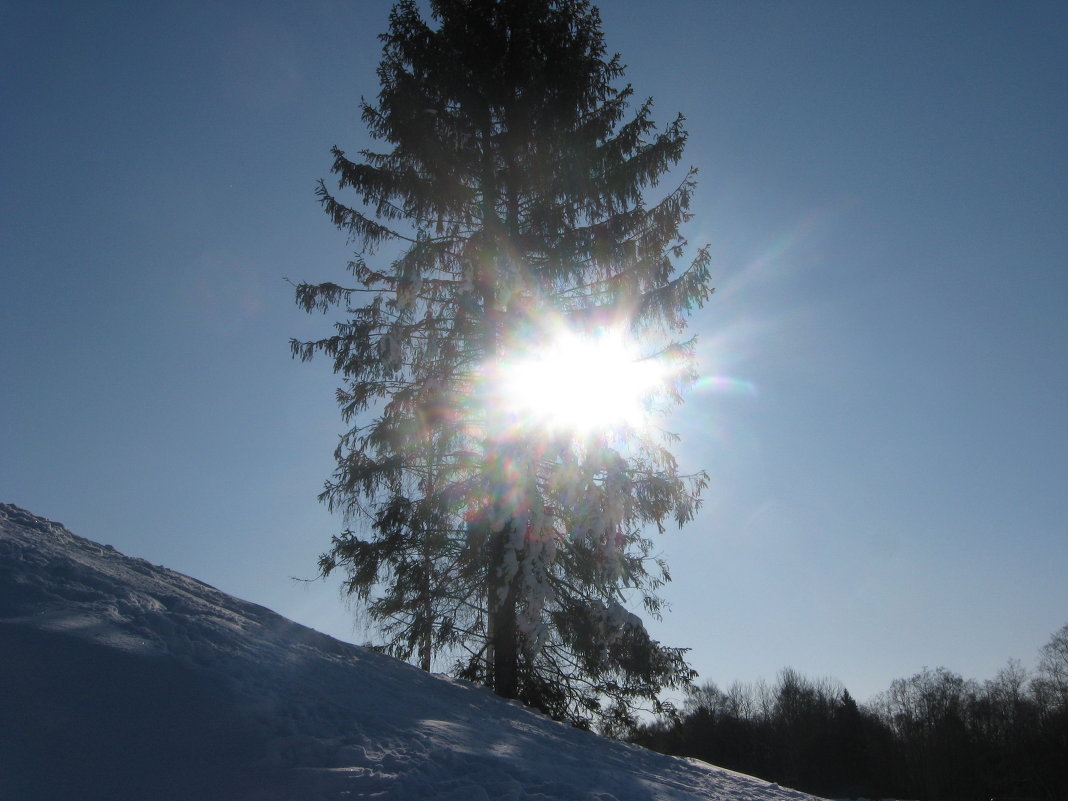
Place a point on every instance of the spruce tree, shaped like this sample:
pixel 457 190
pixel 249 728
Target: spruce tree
pixel 507 202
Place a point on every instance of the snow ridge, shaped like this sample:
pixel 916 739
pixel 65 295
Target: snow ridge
pixel 171 689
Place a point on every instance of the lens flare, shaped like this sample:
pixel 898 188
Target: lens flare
pixel 580 383
pixel 726 384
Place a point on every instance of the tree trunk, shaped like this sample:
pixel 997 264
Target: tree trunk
pixel 426 637
pixel 504 638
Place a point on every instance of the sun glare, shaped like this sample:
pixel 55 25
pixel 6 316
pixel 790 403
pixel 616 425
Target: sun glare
pixel 580 383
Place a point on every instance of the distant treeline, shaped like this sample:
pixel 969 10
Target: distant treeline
pixel 933 736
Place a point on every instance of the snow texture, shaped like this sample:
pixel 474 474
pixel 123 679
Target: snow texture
pixel 124 680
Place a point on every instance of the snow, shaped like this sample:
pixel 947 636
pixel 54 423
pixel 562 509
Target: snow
pixel 124 680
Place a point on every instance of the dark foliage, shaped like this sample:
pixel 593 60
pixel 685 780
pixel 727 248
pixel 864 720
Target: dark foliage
pixel 510 195
pixel 932 736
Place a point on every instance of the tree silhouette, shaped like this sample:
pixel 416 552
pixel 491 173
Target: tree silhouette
pixel 507 207
pixel 932 736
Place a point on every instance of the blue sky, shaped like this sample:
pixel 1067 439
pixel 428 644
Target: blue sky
pixel 883 186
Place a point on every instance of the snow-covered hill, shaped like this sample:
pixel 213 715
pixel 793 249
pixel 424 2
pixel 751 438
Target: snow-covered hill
pixel 123 680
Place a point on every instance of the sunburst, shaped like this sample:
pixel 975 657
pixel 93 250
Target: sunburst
pixel 579 383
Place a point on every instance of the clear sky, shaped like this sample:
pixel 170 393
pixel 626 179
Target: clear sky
pixel 884 415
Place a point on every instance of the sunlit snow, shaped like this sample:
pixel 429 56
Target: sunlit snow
pixel 122 680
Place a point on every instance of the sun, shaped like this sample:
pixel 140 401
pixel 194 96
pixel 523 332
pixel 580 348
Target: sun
pixel 580 383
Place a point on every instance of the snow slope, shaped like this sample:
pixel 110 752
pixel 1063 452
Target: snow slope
pixel 124 680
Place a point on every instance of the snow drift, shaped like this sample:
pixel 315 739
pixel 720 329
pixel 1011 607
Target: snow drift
pixel 124 680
